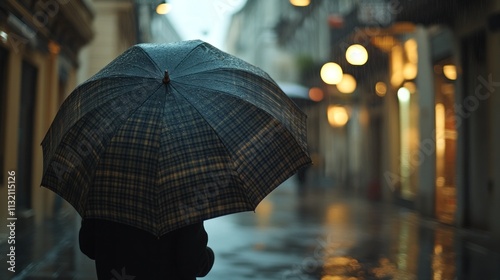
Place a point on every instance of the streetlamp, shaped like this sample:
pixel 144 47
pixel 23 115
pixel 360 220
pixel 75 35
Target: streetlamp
pixel 331 73
pixel 381 89
pixel 316 94
pixel 337 115
pixel 403 95
pixel 356 54
pixel 163 8
pixel 450 72
pixel 300 3
pixel 347 85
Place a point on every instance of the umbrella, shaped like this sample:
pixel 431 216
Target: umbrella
pixel 167 135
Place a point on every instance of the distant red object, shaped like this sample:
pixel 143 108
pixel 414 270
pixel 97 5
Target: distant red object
pixel 374 190
pixel 336 21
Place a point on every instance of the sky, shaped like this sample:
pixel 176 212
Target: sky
pixel 207 20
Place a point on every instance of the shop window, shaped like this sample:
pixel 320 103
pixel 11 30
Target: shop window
pixel 445 75
pixel 403 72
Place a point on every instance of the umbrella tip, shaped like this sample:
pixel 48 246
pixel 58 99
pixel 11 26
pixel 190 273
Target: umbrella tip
pixel 166 78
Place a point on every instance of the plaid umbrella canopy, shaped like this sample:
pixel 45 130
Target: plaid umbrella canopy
pixel 161 150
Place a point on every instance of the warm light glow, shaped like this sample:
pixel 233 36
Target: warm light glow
pixel 440 130
pixel 356 55
pixel 403 95
pixel 316 94
pixel 381 89
pixel 384 43
pixel 440 181
pixel 264 211
pixel 347 84
pixel 337 214
pixel 337 116
pixel 411 51
pixel 300 3
pixel 405 130
pixel 438 249
pixel 339 262
pixel 331 73
pixel 53 47
pixel 410 71
pixel 410 68
pixel 397 77
pixel 364 117
pixel 163 8
pixel 448 89
pixel 450 72
pixel 411 86
pixel 330 277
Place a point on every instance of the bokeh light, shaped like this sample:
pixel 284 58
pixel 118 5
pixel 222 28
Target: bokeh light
pixel 347 84
pixel 337 115
pixel 380 89
pixel 356 55
pixel 403 94
pixel 316 94
pixel 300 3
pixel 163 8
pixel 450 72
pixel 331 73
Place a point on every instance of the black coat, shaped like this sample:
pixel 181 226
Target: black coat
pixel 125 252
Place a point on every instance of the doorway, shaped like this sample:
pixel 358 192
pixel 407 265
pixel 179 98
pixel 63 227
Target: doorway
pixel 445 74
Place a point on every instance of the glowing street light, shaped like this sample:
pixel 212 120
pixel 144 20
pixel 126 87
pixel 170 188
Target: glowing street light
pixel 356 54
pixel 381 89
pixel 403 95
pixel 331 73
pixel 337 115
pixel 347 84
pixel 300 3
pixel 450 72
pixel 316 94
pixel 410 71
pixel 163 8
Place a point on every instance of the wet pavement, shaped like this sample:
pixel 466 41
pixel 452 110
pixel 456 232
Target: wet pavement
pixel 319 234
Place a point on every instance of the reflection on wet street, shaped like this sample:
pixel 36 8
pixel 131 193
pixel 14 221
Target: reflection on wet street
pixel 319 234
pixel 325 235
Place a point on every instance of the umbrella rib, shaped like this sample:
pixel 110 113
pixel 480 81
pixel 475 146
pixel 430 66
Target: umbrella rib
pixel 222 141
pixel 174 67
pixel 60 113
pixel 215 132
pixel 183 59
pixel 243 71
pixel 258 108
pixel 111 136
pixel 222 69
pixel 152 61
pixel 208 124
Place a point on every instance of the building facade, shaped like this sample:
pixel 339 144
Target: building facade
pixel 422 127
pixel 455 160
pixel 39 46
